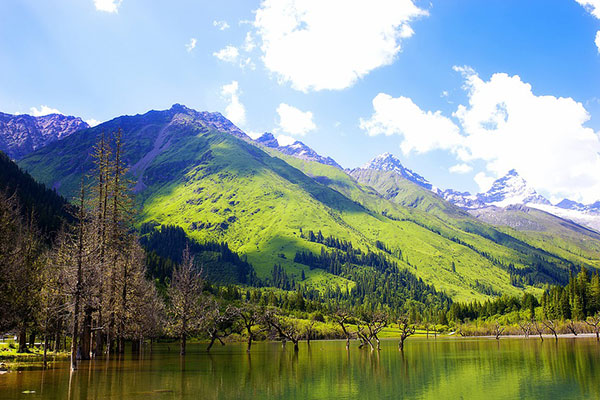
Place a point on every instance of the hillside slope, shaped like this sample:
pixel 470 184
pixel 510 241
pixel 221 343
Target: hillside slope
pixel 207 178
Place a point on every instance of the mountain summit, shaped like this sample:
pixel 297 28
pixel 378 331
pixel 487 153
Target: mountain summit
pixel 389 162
pixel 511 189
pixel 296 149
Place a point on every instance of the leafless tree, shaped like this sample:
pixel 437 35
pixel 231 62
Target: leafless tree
pixel 551 326
pixel 185 300
pixel 309 331
pixel 525 328
pixel 498 330
pixel 286 330
pixel 406 330
pixel 250 316
pixel 571 326
pixel 219 323
pixel 594 322
pixel 539 328
pixel 342 318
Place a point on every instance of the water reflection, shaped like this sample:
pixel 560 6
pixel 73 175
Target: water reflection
pixel 428 369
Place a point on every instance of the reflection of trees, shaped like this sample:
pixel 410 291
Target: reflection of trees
pixel 427 370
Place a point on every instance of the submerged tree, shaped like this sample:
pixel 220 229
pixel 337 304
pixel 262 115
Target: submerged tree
pixel 250 316
pixel 406 330
pixel 594 322
pixel 342 318
pixel 286 330
pixel 185 294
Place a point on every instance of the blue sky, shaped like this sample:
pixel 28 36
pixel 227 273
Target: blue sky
pixel 462 91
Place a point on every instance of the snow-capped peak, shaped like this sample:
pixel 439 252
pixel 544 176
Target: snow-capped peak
pixel 389 162
pixel 511 189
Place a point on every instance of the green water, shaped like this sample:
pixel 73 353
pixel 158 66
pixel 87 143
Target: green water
pixel 429 369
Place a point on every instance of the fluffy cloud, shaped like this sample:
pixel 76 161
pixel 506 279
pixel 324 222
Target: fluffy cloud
pixel 542 137
pixel 235 110
pixel 460 168
pixel 43 110
pixel 295 121
pixel 221 25
pixel 92 122
pixel 422 131
pixel 317 45
pixel 284 140
pixel 506 126
pixel 191 45
pixel 592 6
pixel 110 6
pixel 227 54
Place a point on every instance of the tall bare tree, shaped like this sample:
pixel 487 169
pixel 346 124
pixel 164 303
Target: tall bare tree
pixel 185 294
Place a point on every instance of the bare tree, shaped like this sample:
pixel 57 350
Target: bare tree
pixel 250 316
pixel 571 326
pixel 310 331
pixel 525 328
pixel 185 294
pixel 218 323
pixel 594 322
pixel 286 330
pixel 498 330
pixel 539 328
pixel 342 318
pixel 406 330
pixel 375 322
pixel 551 326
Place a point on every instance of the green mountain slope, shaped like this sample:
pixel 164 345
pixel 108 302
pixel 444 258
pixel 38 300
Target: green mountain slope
pixel 194 173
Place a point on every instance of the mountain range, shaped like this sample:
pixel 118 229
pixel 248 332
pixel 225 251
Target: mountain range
pixel 21 134
pixel 198 171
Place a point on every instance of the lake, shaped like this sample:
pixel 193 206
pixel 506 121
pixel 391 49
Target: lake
pixel 429 369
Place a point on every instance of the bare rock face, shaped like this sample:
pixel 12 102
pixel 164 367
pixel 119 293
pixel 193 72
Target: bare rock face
pixel 22 134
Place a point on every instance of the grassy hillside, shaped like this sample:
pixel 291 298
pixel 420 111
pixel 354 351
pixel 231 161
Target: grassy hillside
pixel 220 188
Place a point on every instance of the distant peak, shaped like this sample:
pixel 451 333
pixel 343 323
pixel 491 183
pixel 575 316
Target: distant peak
pixel 267 139
pixel 389 162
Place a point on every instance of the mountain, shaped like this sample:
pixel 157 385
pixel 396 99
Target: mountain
pixel 49 209
pixel 21 134
pixel 296 149
pixel 197 171
pixel 512 189
pixel 507 190
pixel 389 162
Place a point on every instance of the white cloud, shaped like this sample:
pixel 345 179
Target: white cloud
pixel 221 25
pixel 92 122
pixel 542 137
pixel 484 181
pixel 295 121
pixel 43 110
pixel 592 6
pixel 235 110
pixel 284 140
pixel 460 168
pixel 318 45
pixel 110 6
pixel 505 125
pixel 249 44
pixel 227 54
pixel 597 41
pixel 422 131
pixel 189 46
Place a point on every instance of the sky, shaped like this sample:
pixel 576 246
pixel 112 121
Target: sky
pixel 461 91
